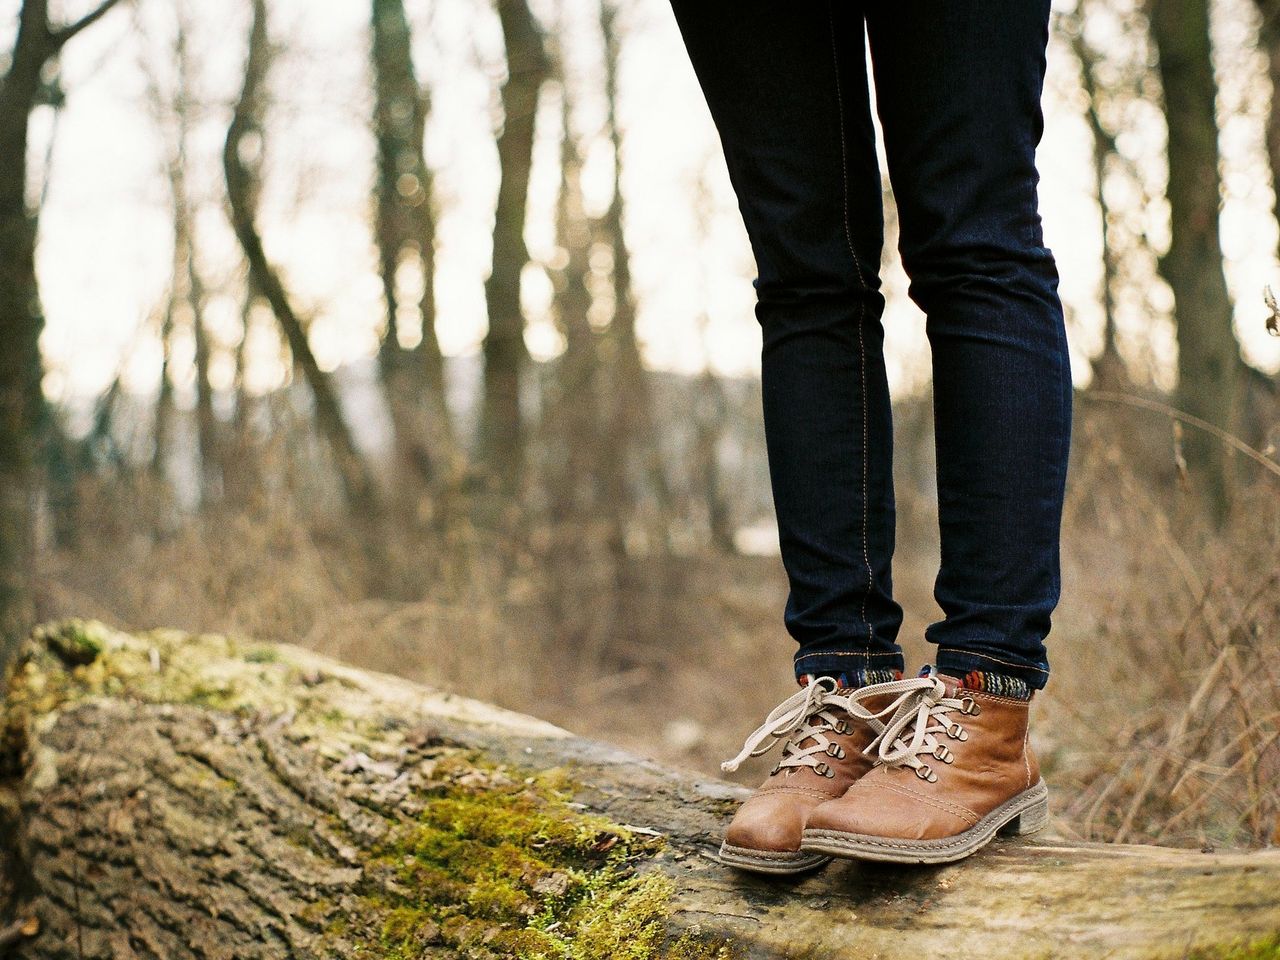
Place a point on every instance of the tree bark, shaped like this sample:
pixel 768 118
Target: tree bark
pixel 260 801
pixel 1208 355
pixel 23 414
pixel 505 354
pixel 246 123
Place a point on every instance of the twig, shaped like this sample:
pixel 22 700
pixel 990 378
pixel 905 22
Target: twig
pixel 60 37
pixel 1155 406
pixel 1158 759
pixel 1209 792
pixel 18 930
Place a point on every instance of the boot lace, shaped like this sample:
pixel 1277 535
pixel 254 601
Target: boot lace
pixel 801 723
pixel 917 718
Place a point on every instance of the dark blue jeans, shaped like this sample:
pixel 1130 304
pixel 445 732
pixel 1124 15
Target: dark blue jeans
pixel 958 86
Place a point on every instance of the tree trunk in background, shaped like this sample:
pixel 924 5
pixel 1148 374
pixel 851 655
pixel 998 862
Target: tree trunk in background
pixel 505 354
pixel 631 427
pixel 571 422
pixel 1108 367
pixel 1208 355
pixel 23 415
pixel 245 129
pixel 1269 42
pixel 710 414
pixel 206 422
pixel 242 466
pixel 405 223
pixel 164 396
pixel 186 281
pixel 1261 392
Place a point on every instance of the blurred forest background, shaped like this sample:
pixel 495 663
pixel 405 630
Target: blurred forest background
pixel 420 332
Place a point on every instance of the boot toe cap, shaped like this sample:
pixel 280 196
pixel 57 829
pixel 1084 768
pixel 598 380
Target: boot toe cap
pixel 772 822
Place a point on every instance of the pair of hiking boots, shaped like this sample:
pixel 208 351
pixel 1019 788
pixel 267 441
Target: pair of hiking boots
pixel 911 771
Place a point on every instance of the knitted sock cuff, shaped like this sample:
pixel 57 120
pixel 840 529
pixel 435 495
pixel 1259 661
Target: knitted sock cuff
pixel 853 679
pixel 996 684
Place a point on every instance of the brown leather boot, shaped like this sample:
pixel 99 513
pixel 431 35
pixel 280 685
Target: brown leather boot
pixel 822 755
pixel 953 769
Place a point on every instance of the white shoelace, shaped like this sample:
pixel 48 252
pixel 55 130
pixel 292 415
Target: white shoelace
pixel 917 717
pixel 807 715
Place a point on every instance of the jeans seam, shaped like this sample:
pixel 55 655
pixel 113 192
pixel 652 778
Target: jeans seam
pixel 984 656
pixel 862 311
pixel 865 654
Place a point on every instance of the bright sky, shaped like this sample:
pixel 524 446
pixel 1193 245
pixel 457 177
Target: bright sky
pixel 104 259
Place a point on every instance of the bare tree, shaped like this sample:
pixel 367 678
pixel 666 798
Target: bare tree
pixel 631 431
pixel 172 112
pixel 1261 394
pixel 244 139
pixel 505 354
pixel 1208 354
pixel 24 418
pixel 570 431
pixel 163 417
pixel 405 224
pixel 1108 368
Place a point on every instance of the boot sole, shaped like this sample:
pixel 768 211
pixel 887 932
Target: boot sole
pixel 1024 814
pixel 776 862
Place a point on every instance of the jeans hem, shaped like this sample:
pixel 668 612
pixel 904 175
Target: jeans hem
pixel 955 662
pixel 842 662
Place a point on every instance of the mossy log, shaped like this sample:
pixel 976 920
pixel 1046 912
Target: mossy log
pixel 165 795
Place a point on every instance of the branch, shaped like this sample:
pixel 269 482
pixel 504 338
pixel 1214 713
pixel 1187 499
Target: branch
pixel 1142 403
pixel 60 36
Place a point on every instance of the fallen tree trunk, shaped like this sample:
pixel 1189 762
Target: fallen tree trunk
pixel 175 796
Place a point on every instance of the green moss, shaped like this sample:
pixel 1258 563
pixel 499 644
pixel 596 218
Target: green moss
pixel 1268 948
pixel 497 868
pixel 70 660
pixel 214 696
pixel 75 642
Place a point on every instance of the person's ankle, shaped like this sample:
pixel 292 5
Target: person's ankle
pixel 986 681
pixel 853 679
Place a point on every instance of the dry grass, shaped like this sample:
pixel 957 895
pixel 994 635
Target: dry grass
pixel 1162 722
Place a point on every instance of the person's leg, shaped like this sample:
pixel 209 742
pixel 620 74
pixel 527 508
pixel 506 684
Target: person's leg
pixel 958 88
pixel 787 89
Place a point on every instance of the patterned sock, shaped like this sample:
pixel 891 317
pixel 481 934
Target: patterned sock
pixel 997 684
pixel 853 679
